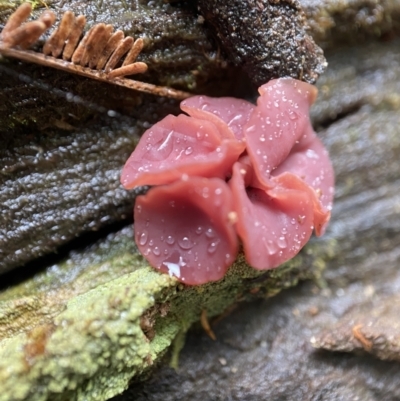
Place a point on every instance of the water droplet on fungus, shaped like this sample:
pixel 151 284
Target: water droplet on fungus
pixel 210 233
pixel 199 230
pixel 212 247
pixel 271 246
pixel 282 243
pixel 170 240
pixel 143 238
pixel 185 243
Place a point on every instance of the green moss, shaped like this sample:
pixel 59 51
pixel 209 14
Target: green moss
pixel 85 338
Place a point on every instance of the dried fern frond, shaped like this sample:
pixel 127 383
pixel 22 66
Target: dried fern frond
pixel 95 56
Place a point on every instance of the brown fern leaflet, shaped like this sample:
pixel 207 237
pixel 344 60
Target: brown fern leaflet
pixel 95 55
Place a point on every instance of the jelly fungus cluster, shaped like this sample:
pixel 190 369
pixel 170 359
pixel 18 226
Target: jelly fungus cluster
pixel 231 170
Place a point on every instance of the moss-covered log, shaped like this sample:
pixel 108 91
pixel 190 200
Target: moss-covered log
pixel 82 328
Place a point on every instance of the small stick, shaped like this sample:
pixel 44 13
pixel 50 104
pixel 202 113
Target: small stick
pixel 122 48
pixel 48 18
pixel 134 52
pixel 24 34
pixel 101 43
pixel 366 344
pixel 16 19
pixel 74 37
pixel 55 43
pixel 80 50
pixel 111 45
pixel 131 69
pixel 92 42
pixel 206 325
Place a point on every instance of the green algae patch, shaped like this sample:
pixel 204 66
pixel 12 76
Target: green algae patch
pixel 82 329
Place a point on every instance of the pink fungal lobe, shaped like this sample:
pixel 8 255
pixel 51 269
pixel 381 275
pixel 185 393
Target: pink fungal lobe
pixel 224 112
pixel 176 146
pixel 184 229
pixel 273 224
pixel 231 170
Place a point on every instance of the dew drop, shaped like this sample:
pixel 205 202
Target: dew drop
pixel 262 138
pixel 271 247
pixel 156 251
pixel 212 247
pixel 185 243
pixel 143 238
pixel 282 242
pixel 210 233
pixel 199 230
pixel 188 150
pixel 199 135
pixel 170 240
